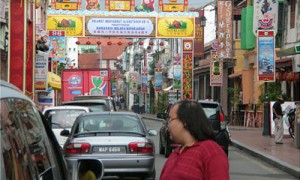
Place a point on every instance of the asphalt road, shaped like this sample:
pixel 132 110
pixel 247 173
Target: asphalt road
pixel 242 165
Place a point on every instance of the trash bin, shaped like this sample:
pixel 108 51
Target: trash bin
pixel 297 127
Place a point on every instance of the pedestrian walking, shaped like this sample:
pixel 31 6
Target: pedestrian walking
pixel 199 156
pixel 277 118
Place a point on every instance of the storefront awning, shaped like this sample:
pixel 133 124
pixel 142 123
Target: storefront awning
pixel 54 81
pixel 168 88
pixel 234 75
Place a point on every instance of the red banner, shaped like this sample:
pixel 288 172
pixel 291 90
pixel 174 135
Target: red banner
pixel 199 36
pixel 187 69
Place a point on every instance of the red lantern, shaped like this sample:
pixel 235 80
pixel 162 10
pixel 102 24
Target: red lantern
pixel 161 44
pixel 88 42
pixel 151 43
pixel 290 76
pixel 130 43
pixel 77 42
pixel 109 43
pixel 98 42
pixel 141 43
pixel 120 43
pixel 284 76
pixel 279 76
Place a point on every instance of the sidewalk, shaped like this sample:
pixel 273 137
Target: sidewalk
pixel 283 156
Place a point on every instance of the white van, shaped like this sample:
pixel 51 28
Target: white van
pixel 63 117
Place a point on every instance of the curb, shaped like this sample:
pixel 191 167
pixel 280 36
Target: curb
pixel 288 168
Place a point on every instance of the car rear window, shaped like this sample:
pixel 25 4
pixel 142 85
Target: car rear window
pixel 106 122
pixel 63 118
pixel 94 106
pixel 210 110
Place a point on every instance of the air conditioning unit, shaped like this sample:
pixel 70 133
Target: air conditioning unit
pixel 296 63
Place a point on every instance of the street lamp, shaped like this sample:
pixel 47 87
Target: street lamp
pixel 202 21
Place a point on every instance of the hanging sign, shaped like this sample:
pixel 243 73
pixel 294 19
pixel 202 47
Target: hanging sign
pixel 173 5
pixel 177 72
pixel 176 27
pixel 158 79
pixel 57 47
pixel 265 55
pixel 265 15
pixel 216 70
pixel 41 71
pixel 119 5
pixel 73 25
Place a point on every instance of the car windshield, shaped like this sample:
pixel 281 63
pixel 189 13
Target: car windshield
pixel 110 123
pixel 63 118
pixel 210 110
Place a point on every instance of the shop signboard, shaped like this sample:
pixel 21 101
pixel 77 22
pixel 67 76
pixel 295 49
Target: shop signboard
pixel 118 26
pixel 41 72
pixel 175 27
pixel 216 70
pixel 265 55
pixel 73 25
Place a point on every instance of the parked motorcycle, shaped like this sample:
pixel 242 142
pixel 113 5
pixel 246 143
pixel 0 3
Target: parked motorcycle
pixel 291 118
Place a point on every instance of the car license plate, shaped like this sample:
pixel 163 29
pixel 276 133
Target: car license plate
pixel 109 149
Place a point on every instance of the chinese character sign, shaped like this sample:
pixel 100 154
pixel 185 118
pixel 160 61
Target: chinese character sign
pixel 224 29
pixel 265 55
pixel 265 15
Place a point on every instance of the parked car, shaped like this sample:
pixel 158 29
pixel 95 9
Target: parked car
pixel 96 103
pixel 29 149
pixel 119 140
pixel 63 117
pixel 215 115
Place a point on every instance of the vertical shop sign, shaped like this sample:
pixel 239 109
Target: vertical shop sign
pixel 187 69
pixel 216 70
pixel 199 36
pixel 224 29
pixel 41 70
pixel 177 72
pixel 120 84
pixel 265 15
pixel 265 55
pixel 57 47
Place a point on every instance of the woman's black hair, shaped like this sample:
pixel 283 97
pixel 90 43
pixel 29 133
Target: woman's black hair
pixel 192 115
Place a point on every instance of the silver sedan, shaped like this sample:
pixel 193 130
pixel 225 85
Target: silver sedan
pixel 113 144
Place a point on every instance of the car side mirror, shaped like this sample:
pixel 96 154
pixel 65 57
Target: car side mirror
pixel 65 132
pixel 161 115
pixel 152 132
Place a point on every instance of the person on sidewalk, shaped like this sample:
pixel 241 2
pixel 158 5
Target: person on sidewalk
pixel 277 118
pixel 199 156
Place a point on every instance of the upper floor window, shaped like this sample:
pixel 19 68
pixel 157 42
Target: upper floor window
pixel 293 13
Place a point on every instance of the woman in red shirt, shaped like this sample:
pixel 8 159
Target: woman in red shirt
pixel 199 156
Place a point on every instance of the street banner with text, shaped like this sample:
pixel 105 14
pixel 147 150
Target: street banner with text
pixel 144 80
pixel 199 36
pixel 117 26
pixel 266 15
pixel 225 29
pixel 175 27
pixel 216 70
pixel 57 49
pixel 73 25
pixel 266 55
